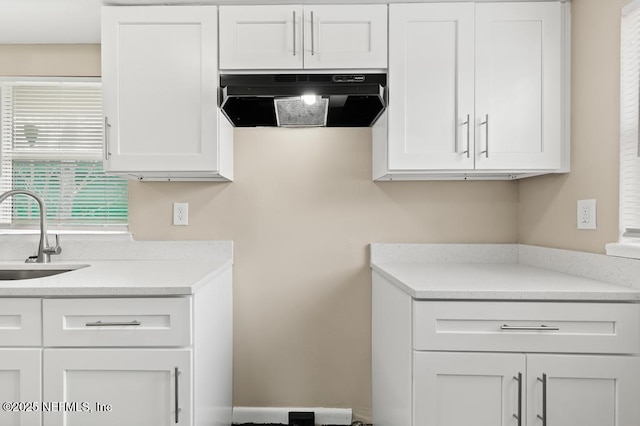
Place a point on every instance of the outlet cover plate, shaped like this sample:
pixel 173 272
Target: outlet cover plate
pixel 586 214
pixel 180 214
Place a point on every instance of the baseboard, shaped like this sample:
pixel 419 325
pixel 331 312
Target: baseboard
pixel 280 415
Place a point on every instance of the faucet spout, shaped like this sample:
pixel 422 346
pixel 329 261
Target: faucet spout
pixel 44 250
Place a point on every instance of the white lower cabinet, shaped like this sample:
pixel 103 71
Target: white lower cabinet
pixel 118 361
pixel 503 363
pixel 106 387
pixel 491 389
pixel 20 378
pixel 453 389
pixel 583 390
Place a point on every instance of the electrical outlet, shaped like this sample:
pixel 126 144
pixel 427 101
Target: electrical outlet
pixel 180 214
pixel 586 214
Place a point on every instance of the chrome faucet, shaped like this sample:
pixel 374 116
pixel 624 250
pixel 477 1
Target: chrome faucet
pixel 44 250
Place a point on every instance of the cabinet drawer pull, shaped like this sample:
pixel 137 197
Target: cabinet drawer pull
pixel 529 328
pixel 543 417
pixel 518 416
pixel 113 324
pixel 467 123
pixel 175 394
pixel 107 130
pixel 294 33
pixel 313 52
pixel 486 135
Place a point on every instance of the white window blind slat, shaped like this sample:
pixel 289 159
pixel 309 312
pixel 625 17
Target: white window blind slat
pixel 629 122
pixel 51 143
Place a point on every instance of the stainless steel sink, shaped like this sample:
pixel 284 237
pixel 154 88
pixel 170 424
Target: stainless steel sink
pixel 28 273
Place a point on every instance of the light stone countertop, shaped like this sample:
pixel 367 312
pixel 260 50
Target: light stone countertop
pixel 117 278
pixel 498 281
pixel 505 272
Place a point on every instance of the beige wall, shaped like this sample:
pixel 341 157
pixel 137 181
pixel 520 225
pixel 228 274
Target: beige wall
pixel 303 209
pixel 301 212
pixel 548 204
pixel 78 60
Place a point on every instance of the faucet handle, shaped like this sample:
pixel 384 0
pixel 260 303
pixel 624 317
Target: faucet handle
pixel 55 249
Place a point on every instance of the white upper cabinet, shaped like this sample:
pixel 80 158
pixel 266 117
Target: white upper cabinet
pixel 475 90
pixel 297 37
pixel 255 37
pixel 518 86
pixel 159 70
pixel 353 36
pixel 431 110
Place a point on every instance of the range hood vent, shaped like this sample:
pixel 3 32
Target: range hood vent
pixel 303 100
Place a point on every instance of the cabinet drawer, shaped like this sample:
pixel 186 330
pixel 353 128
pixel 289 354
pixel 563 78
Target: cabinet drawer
pixel 117 322
pixel 20 322
pixel 612 328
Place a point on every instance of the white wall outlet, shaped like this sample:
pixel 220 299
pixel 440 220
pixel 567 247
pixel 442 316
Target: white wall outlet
pixel 586 214
pixel 180 214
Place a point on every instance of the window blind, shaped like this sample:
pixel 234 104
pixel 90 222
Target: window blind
pixel 629 122
pixel 52 144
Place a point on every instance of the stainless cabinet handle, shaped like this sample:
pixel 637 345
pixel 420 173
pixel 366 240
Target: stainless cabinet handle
pixel 175 394
pixel 543 417
pixel 467 123
pixel 519 415
pixel 113 324
pixel 294 33
pixel 313 52
pixel 529 328
pixel 107 130
pixel 486 135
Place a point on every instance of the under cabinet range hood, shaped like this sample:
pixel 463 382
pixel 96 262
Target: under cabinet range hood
pixel 303 100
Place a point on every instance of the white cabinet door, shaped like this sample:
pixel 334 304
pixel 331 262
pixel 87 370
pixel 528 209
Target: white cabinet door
pixel 20 380
pixel 124 387
pixel 297 37
pixel 475 88
pixel 453 389
pixel 431 72
pixel 159 76
pixel 349 36
pixel 518 86
pixel 261 37
pixel 583 390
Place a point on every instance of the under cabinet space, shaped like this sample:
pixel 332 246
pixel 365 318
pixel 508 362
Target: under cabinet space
pixel 117 322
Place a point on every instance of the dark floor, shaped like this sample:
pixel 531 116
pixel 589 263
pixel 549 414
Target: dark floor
pixel 356 423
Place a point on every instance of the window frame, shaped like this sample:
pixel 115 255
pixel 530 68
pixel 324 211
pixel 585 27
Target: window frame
pixel 89 229
pixel 628 244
